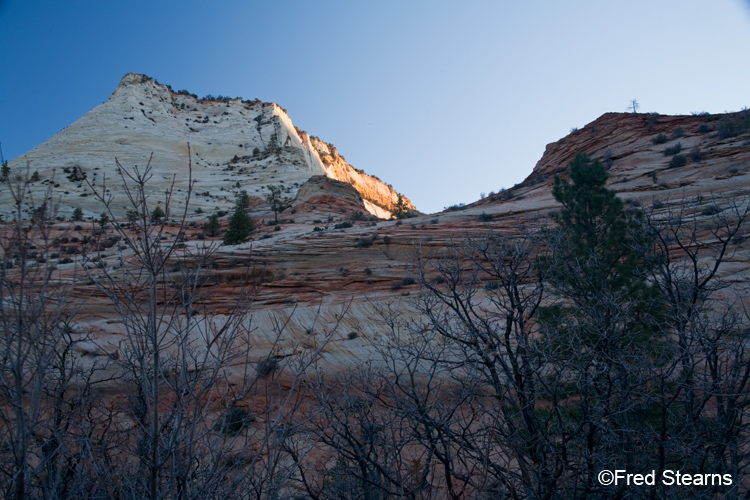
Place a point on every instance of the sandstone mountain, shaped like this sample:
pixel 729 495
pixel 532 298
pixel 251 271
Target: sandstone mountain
pixel 234 145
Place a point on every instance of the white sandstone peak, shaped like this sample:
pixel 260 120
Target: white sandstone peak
pixel 234 145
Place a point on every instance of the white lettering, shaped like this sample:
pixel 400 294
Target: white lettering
pixel 677 478
pixel 667 477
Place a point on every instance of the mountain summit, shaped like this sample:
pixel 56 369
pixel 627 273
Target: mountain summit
pixel 234 145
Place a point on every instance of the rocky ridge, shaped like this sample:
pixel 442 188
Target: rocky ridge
pixel 234 145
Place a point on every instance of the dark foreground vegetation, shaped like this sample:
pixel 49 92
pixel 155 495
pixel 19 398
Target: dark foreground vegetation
pixel 608 340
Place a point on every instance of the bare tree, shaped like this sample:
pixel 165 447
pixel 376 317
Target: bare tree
pixel 634 106
pixel 704 386
pixel 207 419
pixel 173 356
pixel 45 391
pixel 545 379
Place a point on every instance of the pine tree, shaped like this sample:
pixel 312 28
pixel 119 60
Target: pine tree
pixel 597 267
pixel 243 200
pixel 400 210
pixel 240 226
pixel 132 216
pixel 277 201
pixel 594 222
pixel 77 214
pixel 5 172
pixel 212 227
pixel 157 214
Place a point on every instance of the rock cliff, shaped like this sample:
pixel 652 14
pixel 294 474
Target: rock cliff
pixel 378 201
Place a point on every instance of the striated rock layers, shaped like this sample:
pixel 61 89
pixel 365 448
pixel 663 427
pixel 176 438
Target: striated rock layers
pixel 235 145
pixel 326 268
pixel 649 157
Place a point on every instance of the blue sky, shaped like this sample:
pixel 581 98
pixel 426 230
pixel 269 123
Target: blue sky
pixel 443 100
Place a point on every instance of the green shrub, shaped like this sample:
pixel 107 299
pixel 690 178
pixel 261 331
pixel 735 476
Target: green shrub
pixel 704 129
pixel 678 161
pixel 711 210
pixel 660 139
pixel 234 420
pixel 730 126
pixel 673 150
pixel 364 242
pixel 454 208
pixel 266 367
pixel 483 217
pixel 406 281
pixel 76 174
pixel 696 154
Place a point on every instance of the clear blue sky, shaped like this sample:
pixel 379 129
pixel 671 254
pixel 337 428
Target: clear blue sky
pixel 443 100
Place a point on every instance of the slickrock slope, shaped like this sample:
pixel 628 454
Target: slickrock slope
pixel 331 268
pixel 649 157
pixel 234 145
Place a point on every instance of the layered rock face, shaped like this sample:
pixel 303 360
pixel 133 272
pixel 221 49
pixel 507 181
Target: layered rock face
pixel 649 157
pixel 234 145
pixel 330 270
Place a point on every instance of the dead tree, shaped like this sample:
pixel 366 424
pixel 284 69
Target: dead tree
pixel 45 388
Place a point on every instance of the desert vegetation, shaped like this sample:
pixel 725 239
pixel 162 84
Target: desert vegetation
pixel 519 367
